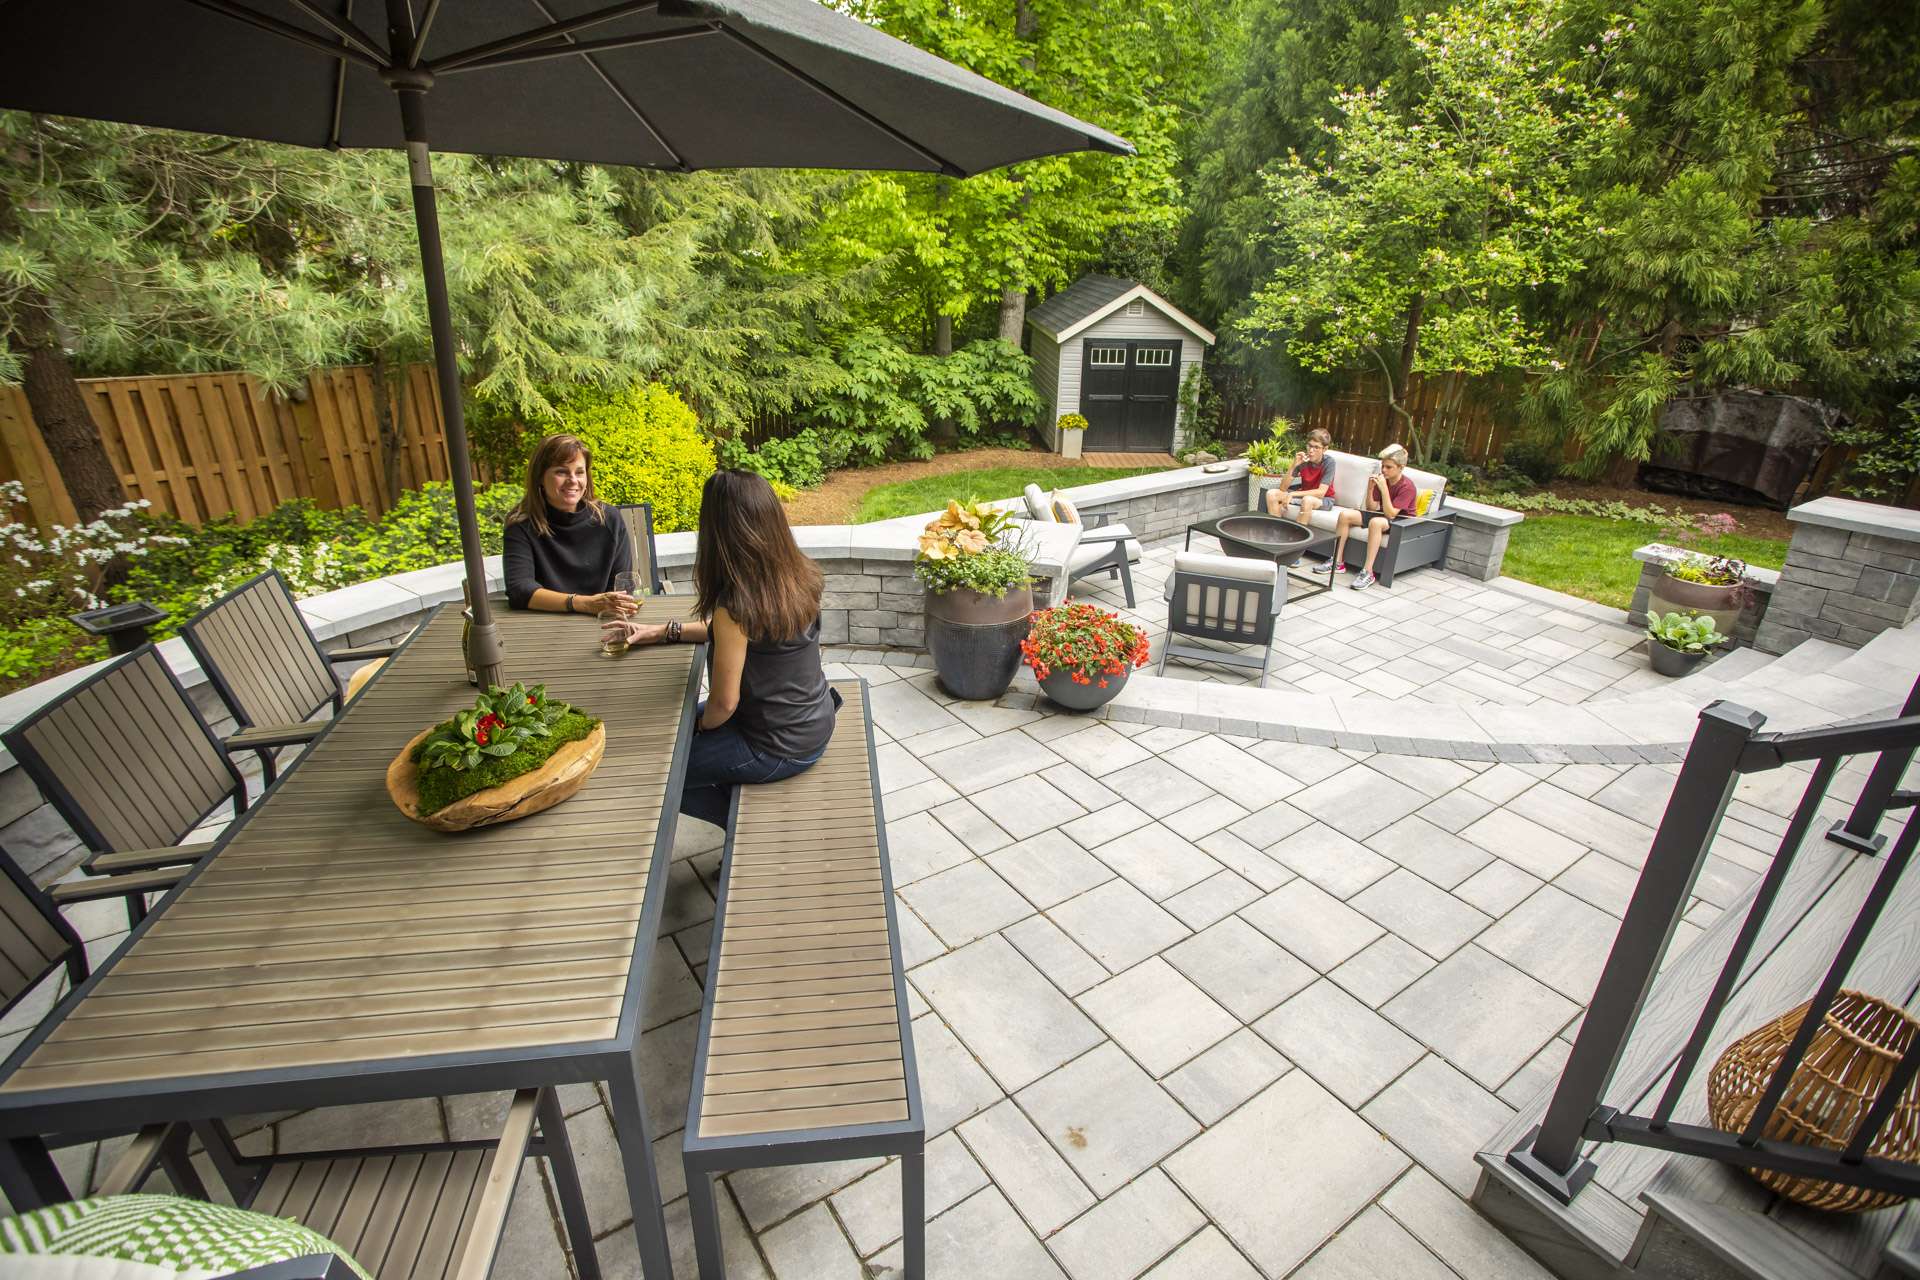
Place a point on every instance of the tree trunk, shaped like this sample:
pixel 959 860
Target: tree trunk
pixel 387 423
pixel 59 409
pixel 1013 297
pixel 943 335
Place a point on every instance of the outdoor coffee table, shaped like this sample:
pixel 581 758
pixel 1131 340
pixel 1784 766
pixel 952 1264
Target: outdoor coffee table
pixel 1320 544
pixel 332 952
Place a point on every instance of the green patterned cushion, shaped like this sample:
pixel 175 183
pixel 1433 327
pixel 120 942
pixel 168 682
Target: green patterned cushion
pixel 187 1239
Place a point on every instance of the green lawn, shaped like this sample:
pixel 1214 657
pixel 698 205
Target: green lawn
pixel 1593 557
pixel 910 497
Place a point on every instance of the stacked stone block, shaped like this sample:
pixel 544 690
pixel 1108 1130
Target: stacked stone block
pixel 1475 548
pixel 1852 571
pixel 1656 556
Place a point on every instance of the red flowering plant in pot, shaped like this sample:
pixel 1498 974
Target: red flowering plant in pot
pixel 1082 655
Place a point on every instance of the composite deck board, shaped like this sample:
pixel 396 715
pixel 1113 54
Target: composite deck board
pixel 804 1031
pixel 329 929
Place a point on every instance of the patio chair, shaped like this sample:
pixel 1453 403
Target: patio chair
pixel 268 668
pixel 1226 598
pixel 646 557
pixel 127 760
pixel 1104 547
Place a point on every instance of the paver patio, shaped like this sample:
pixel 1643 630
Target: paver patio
pixel 1168 1022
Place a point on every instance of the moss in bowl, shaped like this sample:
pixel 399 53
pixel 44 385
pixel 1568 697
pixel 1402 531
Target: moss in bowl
pixel 512 753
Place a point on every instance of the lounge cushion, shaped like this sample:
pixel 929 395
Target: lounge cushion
pixel 1038 508
pixel 152 1237
pixel 1091 553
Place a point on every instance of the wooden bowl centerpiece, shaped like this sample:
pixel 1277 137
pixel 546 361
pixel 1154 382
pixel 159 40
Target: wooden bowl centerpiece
pixel 513 753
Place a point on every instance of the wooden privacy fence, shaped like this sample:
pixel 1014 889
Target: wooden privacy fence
pixel 203 445
pixel 1357 418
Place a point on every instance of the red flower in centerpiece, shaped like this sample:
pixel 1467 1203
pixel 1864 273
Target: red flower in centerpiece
pixel 1083 641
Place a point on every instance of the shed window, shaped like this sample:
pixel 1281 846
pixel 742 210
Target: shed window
pixel 1153 357
pixel 1136 308
pixel 1107 357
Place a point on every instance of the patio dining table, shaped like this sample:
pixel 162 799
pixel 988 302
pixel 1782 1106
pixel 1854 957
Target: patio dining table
pixel 330 951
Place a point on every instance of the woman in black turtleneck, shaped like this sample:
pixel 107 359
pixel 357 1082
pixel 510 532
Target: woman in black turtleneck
pixel 562 544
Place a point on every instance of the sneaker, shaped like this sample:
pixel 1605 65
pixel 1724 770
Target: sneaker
pixel 1324 566
pixel 1362 582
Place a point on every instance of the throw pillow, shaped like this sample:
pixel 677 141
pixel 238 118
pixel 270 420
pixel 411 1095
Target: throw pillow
pixel 1423 502
pixel 167 1237
pixel 1063 509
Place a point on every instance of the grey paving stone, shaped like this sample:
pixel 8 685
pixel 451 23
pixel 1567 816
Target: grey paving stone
pixel 1556 938
pixel 1497 887
pixel 900 768
pixel 619 1253
pixel 1334 862
pixel 1245 861
pixel 1524 843
pixel 1157 787
pixel 1156 1015
pixel 1012 1019
pixel 1314 926
pixel 1156 861
pixel 1128 1232
pixel 989 720
pixel 1480 1013
pixel 1163 738
pixel 1027 806
pixel 1264 828
pixel 1208 1256
pixel 1239 967
pixel 768 1195
pixel 980 1236
pixel 1597 826
pixel 966 902
pixel 1214 898
pixel 1351 1050
pixel 1107 824
pixel 1440 1118
pixel 925 744
pixel 1382 971
pixel 1432 778
pixel 1430 852
pixel 1412 909
pixel 1370 1246
pixel 1106 1118
pixel 918 846
pixel 1077 786
pixel 1049 868
pixel 1118 925
pixel 1283 1172
pixel 369 1125
pixel 1455 1232
pixel 953 1085
pixel 1025 1167
pixel 1359 801
pixel 1057 724
pixel 1098 750
pixel 918 944
pixel 970 826
pixel 916 799
pixel 991 761
pixel 1601 882
pixel 1307 764
pixel 1204 817
pixel 1064 961
pixel 1226 1075
pixel 1501 783
pixel 530 1245
pixel 811 1245
pixel 870 1208
pixel 1232 772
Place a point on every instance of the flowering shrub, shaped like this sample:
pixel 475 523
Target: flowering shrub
pixel 973 547
pixel 1072 422
pixel 1711 571
pixel 1087 643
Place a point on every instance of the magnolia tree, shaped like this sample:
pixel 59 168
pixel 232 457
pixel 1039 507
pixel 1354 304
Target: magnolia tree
pixel 1410 243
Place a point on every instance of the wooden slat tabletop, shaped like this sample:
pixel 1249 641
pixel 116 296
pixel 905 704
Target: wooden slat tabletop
pixel 805 1032
pixel 331 930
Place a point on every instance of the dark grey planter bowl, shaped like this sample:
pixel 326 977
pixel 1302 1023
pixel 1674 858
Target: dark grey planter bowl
pixel 1059 686
pixel 1669 661
pixel 975 640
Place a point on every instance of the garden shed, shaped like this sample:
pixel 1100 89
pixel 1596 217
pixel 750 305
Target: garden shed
pixel 1113 351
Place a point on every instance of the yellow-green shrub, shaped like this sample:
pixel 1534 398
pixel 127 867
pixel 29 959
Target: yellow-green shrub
pixel 647 447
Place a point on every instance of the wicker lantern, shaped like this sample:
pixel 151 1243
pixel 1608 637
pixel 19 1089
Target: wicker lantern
pixel 1847 1064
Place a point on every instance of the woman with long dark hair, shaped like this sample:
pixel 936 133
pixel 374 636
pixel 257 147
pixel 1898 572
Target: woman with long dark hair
pixel 563 545
pixel 769 711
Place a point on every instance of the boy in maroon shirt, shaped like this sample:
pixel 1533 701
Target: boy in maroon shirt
pixel 1389 497
pixel 1309 480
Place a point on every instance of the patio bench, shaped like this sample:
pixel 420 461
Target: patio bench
pixel 804 1051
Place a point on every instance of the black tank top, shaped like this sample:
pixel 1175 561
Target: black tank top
pixel 785 709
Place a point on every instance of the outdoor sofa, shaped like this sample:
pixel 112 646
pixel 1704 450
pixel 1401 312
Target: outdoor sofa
pixel 1412 544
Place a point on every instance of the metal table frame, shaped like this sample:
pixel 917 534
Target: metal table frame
pixel 28 1175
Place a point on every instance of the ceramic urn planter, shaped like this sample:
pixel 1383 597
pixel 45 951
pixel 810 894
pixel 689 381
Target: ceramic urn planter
pixel 564 773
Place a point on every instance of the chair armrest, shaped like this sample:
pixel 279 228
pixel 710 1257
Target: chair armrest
pixel 362 652
pixel 136 1163
pixel 106 864
pixel 1108 533
pixel 1094 519
pixel 666 587
pixel 98 887
pixel 274 735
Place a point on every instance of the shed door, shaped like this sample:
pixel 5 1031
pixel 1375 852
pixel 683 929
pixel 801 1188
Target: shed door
pixel 1129 393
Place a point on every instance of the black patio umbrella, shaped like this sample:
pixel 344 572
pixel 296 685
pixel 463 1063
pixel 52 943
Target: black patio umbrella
pixel 664 84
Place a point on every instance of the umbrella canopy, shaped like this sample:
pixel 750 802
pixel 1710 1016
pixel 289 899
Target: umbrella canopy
pixel 668 84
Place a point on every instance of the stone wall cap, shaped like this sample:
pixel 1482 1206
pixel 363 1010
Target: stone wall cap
pixel 1757 577
pixel 1465 509
pixel 1859 517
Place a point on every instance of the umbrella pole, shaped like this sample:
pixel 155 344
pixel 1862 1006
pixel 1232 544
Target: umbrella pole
pixel 484 649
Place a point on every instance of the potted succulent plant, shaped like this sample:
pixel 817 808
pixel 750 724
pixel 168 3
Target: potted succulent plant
pixel 1676 642
pixel 1712 585
pixel 1073 434
pixel 513 753
pixel 979 579
pixel 1268 461
pixel 1082 655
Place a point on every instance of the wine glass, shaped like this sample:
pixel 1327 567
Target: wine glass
pixel 613 642
pixel 629 584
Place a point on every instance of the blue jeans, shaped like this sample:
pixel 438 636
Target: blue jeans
pixel 722 758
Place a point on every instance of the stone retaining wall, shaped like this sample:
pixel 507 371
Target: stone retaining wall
pixel 1654 559
pixel 1852 572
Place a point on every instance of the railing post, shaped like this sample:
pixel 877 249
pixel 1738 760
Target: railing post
pixel 1858 831
pixel 1549 1155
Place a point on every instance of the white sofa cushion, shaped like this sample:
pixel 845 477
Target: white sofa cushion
pixel 1038 508
pixel 1206 601
pixel 1090 553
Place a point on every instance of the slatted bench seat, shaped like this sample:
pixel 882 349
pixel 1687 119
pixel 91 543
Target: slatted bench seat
pixel 805 1053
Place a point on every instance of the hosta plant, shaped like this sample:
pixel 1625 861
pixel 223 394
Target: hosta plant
pixel 1089 644
pixel 972 547
pixel 1685 632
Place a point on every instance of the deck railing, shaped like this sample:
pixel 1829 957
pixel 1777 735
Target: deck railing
pixel 1728 744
